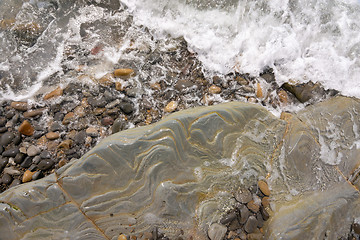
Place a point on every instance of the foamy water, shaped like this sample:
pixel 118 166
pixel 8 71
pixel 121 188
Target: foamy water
pixel 301 40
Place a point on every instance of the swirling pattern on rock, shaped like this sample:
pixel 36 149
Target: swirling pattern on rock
pixel 172 174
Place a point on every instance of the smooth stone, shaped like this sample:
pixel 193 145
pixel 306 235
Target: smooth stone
pixel 124 72
pixel 34 113
pixel 33 167
pixel 234 225
pixel 97 102
pixel 126 107
pixel 228 218
pixel 68 118
pixel 3 129
pixel 27 177
pixel 36 159
pixel 3 162
pixel 241 80
pixel 45 154
pixel 59 116
pixel 131 92
pixel 264 213
pixel 356 228
pixel 21 106
pixel 26 128
pixel 55 93
pixel 66 144
pixel 17 139
pixel 7 138
pixel 37 175
pixel 1 149
pixel 33 151
pixel 52 135
pixel 107 121
pixel 113 104
pixel 184 85
pixel 80 137
pixel 264 188
pixel 214 89
pixel 6 179
pixel 11 152
pixel 243 196
pixel 171 106
pixel 305 91
pixel 253 206
pixel 92 132
pixel 265 202
pixel 27 162
pixel 80 111
pixel 3 121
pixel 19 158
pixel 56 126
pixel 11 170
pixel 259 91
pixel 244 214
pixel 260 220
pixel 251 224
pixel 45 164
pixel 119 125
pixel 217 231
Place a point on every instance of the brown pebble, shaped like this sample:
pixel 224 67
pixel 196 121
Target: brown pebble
pixel 283 96
pixel 62 163
pixel 33 113
pixel 66 144
pixel 155 86
pixel 122 237
pixel 265 202
pixel 68 118
pixel 79 111
pixel 26 128
pixel 106 80
pixel 52 135
pixel 124 72
pixel 107 121
pixel 264 188
pixel 133 237
pixel 21 106
pixel 259 92
pixel 356 227
pixel 55 93
pixel 214 89
pixel 27 177
pixel 171 106
pixel 253 207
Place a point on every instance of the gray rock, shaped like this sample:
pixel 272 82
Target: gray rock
pixel 2 121
pixel 56 126
pixel 244 214
pixel 228 218
pixel 7 138
pixel 33 150
pixel 45 154
pixel 119 125
pixel 19 158
pixel 217 231
pixel 251 224
pixel 45 164
pixel 3 129
pixel 97 102
pixel 27 162
pixel 15 183
pixel 113 104
pixel 126 107
pixel 17 139
pixel 37 175
pixel 3 162
pixel 243 196
pixel 11 152
pixel 80 137
pixel 185 85
pixel 36 159
pixel 6 179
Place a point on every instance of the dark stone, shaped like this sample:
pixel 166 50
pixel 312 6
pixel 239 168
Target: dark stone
pixel 228 218
pixel 217 80
pixel 37 175
pixel 3 129
pixel 306 91
pixel 234 225
pixel 17 139
pixel 59 116
pixel 169 94
pixel 11 152
pixel 3 162
pixel 264 213
pixel 126 107
pixel 56 126
pixel 45 164
pixel 109 96
pixel 27 162
pixel 36 159
pixel 2 122
pixel 6 138
pixel 251 224
pixel 118 125
pixel 6 179
pixel 19 158
pixel 185 85
pixel 15 183
pixel 260 220
pixel 38 134
pixel 81 136
pixel 356 228
pixel 268 76
pixel 131 92
pixel 45 154
pixel 32 167
pixel 97 102
pixel 15 119
pixel 1 149
pixel 9 114
pixel 244 214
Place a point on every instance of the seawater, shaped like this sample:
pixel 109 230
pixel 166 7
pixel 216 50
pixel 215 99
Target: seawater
pixel 301 40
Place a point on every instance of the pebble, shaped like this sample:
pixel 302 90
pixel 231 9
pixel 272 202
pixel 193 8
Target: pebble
pixel 55 93
pixel 107 121
pixel 156 86
pixel 171 106
pixel 66 144
pixel 243 196
pixel 37 175
pixel 6 179
pixel 17 139
pixel 217 231
pixel 33 151
pixel 26 128
pixel 253 206
pixel 264 188
pixel 11 152
pixel 184 85
pixel 15 183
pixel 119 86
pixel 45 164
pixel 113 104
pixel 122 237
pixel 264 213
pixel 259 92
pixel 251 224
pixel 6 138
pixel 80 138
pixel 283 96
pixel 228 218
pixel 21 106
pixel 124 72
pixel 131 92
pixel 52 135
pixel 34 113
pixel 27 177
pixel 19 158
pixel 265 202
pixel 356 228
pixel 2 121
pixel 45 154
pixel 214 89
pixel 27 162
pixel 126 107
pixel 244 214
pixel 56 127
pixel 92 132
pixel 69 117
pixel 97 102
pixel 79 111
pixel 3 129
pixel 241 81
pixel 3 162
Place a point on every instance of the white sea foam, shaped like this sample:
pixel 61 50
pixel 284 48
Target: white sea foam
pixel 301 40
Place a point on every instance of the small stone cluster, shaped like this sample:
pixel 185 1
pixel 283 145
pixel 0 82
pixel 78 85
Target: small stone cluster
pixel 247 218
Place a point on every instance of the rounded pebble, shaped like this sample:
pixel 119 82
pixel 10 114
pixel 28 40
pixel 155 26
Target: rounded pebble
pixel 27 177
pixel 33 151
pixel 253 206
pixel 122 237
pixel 264 188
pixel 217 231
pixel 214 89
pixel 19 158
pixel 45 164
pixel 171 106
pixel 6 179
pixel 11 152
pixel 251 224
pixel 52 135
pixel 243 196
pixel 7 138
pixel 26 128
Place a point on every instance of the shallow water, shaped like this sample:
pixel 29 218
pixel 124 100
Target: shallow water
pixel 44 42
